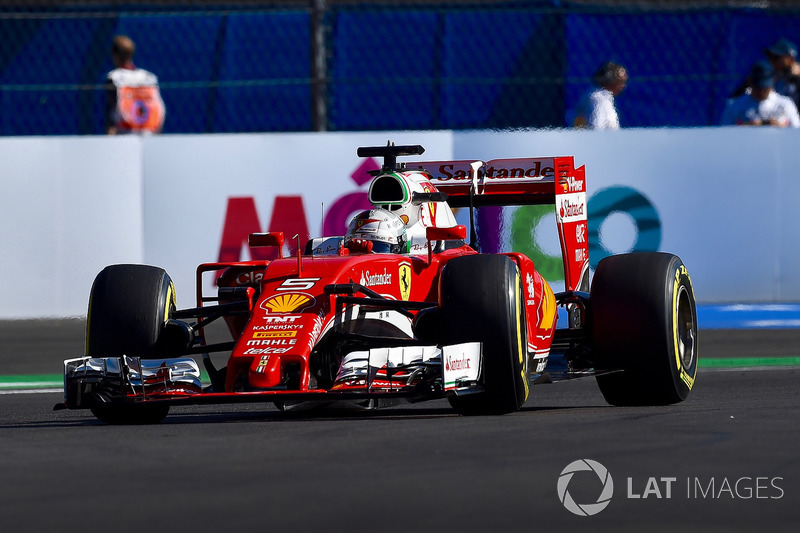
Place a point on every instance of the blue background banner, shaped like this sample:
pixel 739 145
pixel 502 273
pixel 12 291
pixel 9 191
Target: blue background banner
pixel 356 67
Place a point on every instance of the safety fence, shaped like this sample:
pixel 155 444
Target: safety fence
pixel 338 65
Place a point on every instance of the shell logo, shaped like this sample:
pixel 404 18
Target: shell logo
pixel 287 303
pixel 547 306
pixel 549 309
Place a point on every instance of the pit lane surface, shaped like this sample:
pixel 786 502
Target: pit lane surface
pixel 727 457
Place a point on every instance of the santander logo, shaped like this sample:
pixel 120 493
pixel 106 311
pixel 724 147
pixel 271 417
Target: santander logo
pixel 570 210
pixel 458 363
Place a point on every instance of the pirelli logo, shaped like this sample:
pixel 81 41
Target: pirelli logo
pixel 274 334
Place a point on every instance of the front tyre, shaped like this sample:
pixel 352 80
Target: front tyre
pixel 481 300
pixel 644 323
pixel 129 306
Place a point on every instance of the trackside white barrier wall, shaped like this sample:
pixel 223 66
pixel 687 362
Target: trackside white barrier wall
pixel 68 207
pixel 724 199
pixel 727 198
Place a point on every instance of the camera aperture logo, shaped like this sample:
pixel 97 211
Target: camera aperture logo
pixel 585 509
pixel 588 478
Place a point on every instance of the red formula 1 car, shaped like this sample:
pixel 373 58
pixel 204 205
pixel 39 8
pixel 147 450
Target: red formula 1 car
pixel 429 317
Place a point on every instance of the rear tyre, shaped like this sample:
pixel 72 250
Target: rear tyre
pixel 129 306
pixel 644 322
pixel 481 300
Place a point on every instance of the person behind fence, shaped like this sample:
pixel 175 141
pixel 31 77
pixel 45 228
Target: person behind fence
pixel 761 105
pixel 783 57
pixel 596 110
pixel 133 99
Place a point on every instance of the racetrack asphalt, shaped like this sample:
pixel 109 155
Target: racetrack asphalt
pixel 724 460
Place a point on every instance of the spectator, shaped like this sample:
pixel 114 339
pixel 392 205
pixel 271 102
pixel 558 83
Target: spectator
pixel 133 100
pixel 761 106
pixel 596 110
pixel 783 57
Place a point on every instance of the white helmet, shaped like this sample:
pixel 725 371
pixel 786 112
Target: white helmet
pixel 382 228
pixel 393 191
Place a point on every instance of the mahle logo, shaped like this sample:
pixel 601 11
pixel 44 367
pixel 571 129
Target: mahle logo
pixel 585 509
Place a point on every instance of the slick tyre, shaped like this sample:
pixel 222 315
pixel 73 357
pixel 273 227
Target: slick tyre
pixel 481 300
pixel 644 323
pixel 129 306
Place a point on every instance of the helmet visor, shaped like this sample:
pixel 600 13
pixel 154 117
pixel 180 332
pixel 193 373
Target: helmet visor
pixel 380 247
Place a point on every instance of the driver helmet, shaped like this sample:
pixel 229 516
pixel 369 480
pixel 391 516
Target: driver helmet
pixel 382 228
pixel 393 192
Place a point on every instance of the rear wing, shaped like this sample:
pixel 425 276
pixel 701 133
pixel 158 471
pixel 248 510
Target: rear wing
pixel 525 181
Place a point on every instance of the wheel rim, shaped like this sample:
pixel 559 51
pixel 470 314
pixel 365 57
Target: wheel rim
pixel 687 336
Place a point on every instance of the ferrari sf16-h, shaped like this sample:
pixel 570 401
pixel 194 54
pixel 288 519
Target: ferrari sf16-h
pixel 403 307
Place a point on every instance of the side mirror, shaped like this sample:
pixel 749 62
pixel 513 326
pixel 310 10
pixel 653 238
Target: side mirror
pixel 446 234
pixel 273 238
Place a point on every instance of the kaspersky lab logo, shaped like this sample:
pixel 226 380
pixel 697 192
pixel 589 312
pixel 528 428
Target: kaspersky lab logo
pixel 585 465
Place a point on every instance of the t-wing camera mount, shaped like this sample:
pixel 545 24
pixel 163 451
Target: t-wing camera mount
pixel 390 153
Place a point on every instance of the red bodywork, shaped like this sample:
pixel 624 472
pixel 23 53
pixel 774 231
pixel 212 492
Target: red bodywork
pixel 291 311
pixel 294 320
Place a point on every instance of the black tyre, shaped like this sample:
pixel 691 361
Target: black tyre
pixel 129 306
pixel 481 300
pixel 644 322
